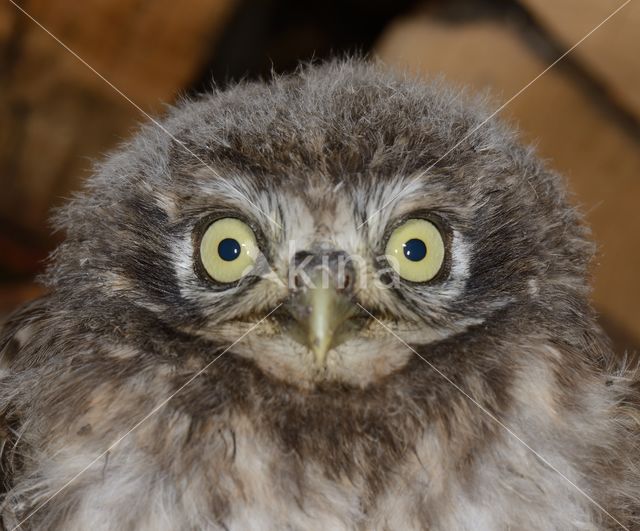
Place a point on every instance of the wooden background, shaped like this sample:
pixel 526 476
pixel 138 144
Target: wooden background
pixel 57 115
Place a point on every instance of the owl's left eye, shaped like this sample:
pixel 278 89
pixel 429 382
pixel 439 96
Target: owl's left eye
pixel 228 250
pixel 416 250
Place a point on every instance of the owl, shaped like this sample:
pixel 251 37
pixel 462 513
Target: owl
pixel 342 299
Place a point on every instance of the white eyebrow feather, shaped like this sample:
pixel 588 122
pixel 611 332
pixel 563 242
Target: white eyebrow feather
pixel 239 192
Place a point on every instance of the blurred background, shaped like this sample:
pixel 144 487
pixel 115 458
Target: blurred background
pixel 57 115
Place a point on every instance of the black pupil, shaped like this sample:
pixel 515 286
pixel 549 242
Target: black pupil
pixel 229 249
pixel 415 250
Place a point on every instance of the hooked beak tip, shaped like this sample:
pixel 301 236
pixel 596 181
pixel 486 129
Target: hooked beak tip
pixel 320 346
pixel 322 315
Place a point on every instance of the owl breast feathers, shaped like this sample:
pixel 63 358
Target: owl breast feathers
pixel 343 299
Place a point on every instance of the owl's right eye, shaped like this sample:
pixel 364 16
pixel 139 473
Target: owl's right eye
pixel 228 250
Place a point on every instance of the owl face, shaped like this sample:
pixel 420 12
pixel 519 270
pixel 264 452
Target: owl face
pixel 331 264
pixel 340 209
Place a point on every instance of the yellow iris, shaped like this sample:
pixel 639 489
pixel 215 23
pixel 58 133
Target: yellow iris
pixel 416 250
pixel 228 250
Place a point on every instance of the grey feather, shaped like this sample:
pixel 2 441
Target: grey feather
pixel 379 440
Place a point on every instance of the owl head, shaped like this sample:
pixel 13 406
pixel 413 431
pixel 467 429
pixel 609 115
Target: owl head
pixel 310 222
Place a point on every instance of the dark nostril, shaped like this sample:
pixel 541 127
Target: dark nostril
pixel 344 271
pixel 345 281
pixel 335 267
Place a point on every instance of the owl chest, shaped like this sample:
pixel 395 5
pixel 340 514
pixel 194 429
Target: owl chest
pixel 259 487
pixel 242 481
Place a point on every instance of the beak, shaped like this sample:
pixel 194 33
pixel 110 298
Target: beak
pixel 321 311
